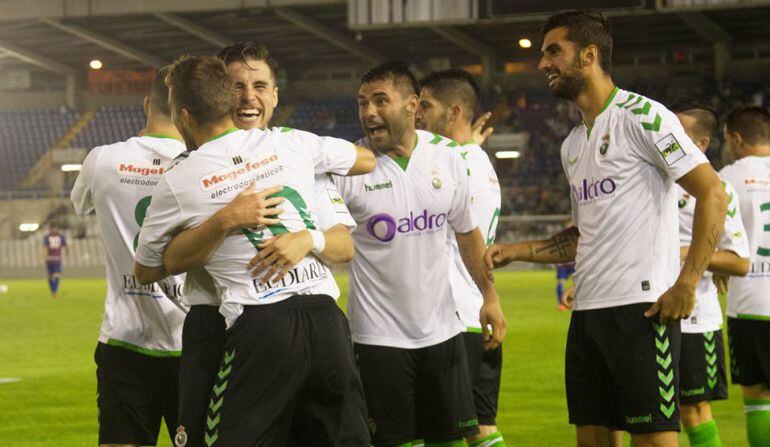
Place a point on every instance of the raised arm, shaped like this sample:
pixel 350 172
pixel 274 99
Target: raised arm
pixel 365 161
pixel 471 246
pixel 562 247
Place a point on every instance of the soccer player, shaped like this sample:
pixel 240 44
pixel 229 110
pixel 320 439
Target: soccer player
pixel 54 247
pixel 621 162
pixel 448 101
pixel 287 364
pixel 253 72
pixel 747 137
pixel 137 356
pixel 405 328
pixel 703 377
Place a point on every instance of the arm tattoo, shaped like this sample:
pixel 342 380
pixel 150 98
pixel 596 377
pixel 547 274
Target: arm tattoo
pixel 712 241
pixel 559 246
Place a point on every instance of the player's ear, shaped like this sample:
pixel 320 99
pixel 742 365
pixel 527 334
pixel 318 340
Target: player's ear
pixel 275 96
pixel 411 104
pixel 589 55
pixel 146 106
pixel 187 119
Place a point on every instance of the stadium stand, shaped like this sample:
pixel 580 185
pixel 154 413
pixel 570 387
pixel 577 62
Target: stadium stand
pixel 110 124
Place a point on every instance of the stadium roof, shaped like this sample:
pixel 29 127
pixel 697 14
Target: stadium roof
pixel 307 35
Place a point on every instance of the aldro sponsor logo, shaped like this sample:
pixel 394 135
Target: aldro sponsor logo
pixel 592 190
pixel 132 169
pixel 384 227
pixel 210 181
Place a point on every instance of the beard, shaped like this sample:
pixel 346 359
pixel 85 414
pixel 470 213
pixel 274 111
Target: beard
pixel 569 87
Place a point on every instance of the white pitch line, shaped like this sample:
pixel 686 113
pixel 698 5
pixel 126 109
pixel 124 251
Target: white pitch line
pixel 9 379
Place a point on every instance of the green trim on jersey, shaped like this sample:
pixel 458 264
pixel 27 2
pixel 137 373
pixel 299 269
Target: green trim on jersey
pixel 141 350
pixel 473 330
pixel 753 317
pixel 604 107
pixel 160 135
pixel 228 131
pixel 403 162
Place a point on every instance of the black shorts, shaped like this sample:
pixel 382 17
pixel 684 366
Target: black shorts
pixel 417 393
pixel 203 339
pixel 485 369
pixel 749 342
pixel 134 391
pixel 702 368
pixel 288 377
pixel 622 370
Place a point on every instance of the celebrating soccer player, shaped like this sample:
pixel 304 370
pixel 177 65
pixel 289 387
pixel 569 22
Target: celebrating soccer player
pixel 702 366
pixel 137 357
pixel 287 366
pixel 747 138
pixel 403 317
pixel 448 101
pixel 621 162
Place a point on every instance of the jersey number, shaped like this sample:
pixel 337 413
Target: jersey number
pixel 257 237
pixel 140 211
pixel 762 251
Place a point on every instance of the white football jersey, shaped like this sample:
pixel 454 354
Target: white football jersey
pixel 117 181
pixel 707 314
pixel 215 173
pixel 621 174
pixel 485 201
pixel 749 296
pixel 399 292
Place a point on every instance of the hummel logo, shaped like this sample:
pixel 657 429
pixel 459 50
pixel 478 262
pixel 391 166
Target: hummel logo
pixel 573 161
pixel 156 161
pixel 237 160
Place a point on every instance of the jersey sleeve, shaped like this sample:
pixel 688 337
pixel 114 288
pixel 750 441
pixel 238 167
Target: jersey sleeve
pixel 485 193
pixel 734 237
pixel 573 204
pixel 461 217
pixel 82 191
pixel 330 155
pixel 660 140
pixel 330 207
pixel 162 221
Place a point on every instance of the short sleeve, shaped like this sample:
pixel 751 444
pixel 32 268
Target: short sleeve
pixel 329 205
pixel 330 155
pixel 734 237
pixel 661 140
pixel 461 217
pixel 82 191
pixel 162 221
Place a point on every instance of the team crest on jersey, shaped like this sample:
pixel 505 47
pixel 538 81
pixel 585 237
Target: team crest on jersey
pixel 436 182
pixel 605 144
pixel 180 440
pixel 683 201
pixel 670 149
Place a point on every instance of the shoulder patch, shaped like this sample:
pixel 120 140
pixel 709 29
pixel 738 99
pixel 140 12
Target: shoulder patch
pixel 670 149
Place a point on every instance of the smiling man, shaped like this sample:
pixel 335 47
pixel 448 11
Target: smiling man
pixel 621 162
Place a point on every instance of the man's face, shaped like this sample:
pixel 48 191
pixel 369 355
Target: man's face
pixel 384 113
pixel 182 121
pixel 431 114
pixel 561 64
pixel 689 124
pixel 255 92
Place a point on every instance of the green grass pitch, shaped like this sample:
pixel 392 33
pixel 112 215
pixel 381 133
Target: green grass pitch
pixel 49 345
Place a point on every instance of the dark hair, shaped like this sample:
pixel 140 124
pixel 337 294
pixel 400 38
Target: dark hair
pixel 454 85
pixel 706 118
pixel 584 28
pixel 159 92
pixel 201 85
pixel 395 71
pixel 243 51
pixel 752 123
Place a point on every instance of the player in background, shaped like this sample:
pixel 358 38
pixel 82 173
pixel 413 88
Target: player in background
pixel 288 369
pixel 54 248
pixel 622 351
pixel 747 138
pixel 137 356
pixel 703 377
pixel 253 72
pixel 404 324
pixel 564 271
pixel 448 101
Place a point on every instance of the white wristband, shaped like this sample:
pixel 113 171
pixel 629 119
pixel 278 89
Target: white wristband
pixel 319 241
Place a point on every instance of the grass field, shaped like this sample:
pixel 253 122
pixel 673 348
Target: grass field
pixel 49 345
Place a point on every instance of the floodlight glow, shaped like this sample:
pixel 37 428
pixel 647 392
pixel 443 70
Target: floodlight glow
pixel 29 227
pixel 507 154
pixel 95 64
pixel 71 167
pixel 525 43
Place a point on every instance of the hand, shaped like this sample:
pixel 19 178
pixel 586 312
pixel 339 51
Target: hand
pixel 675 303
pixel 498 255
pixel 492 314
pixel 568 297
pixel 251 209
pixel 683 252
pixel 721 281
pixel 480 134
pixel 280 254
